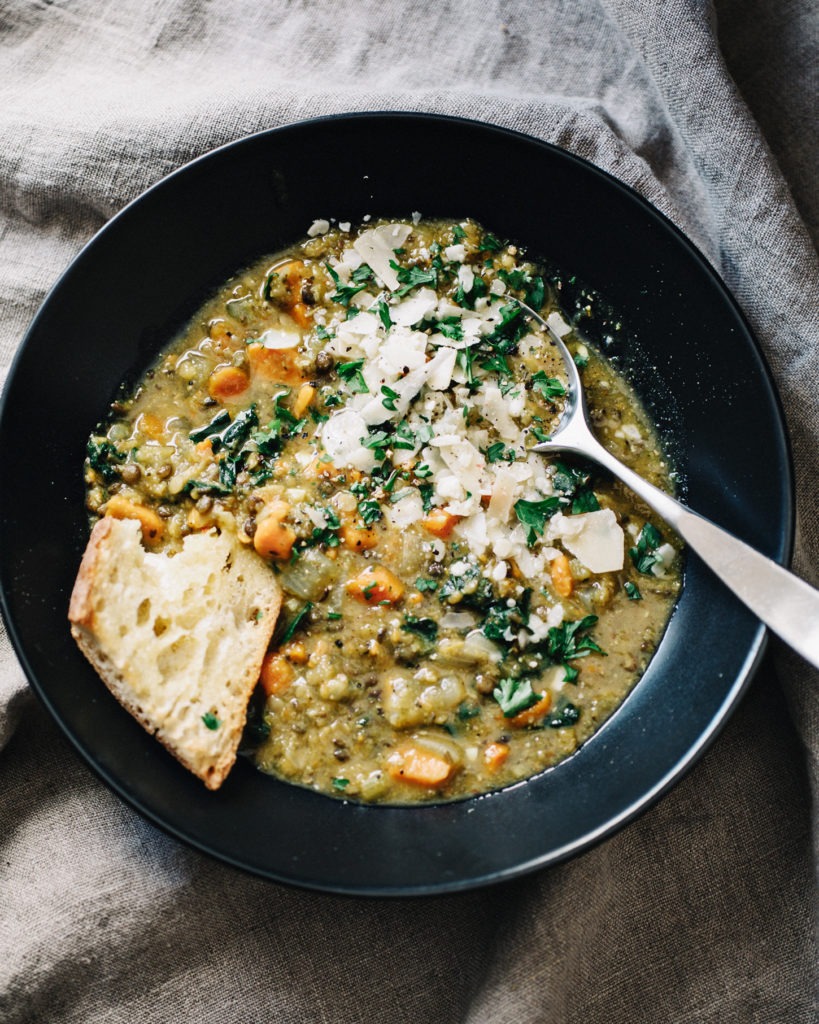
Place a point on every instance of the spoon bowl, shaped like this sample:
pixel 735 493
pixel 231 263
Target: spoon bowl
pixel 783 602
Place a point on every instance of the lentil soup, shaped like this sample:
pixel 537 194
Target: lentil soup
pixel 459 611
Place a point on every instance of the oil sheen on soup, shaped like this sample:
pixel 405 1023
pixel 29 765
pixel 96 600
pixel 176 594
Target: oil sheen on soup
pixel 459 611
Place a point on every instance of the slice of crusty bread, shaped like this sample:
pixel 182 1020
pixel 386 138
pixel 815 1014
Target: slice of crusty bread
pixel 178 639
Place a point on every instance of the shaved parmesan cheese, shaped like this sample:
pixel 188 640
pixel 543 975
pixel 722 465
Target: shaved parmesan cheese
pixel 277 338
pixel 466 277
pixel 406 511
pixel 595 538
pixel 341 438
pixel 665 553
pixel 376 248
pixel 441 377
pixel 414 307
pixel 495 408
pixel 558 325
pixel 455 253
pixel 318 227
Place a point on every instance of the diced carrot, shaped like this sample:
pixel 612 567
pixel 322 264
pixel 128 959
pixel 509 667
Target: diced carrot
pixel 295 652
pixel 301 314
pixel 150 425
pixel 152 526
pixel 273 537
pixel 321 466
pixel 413 763
pixel 303 399
pixel 291 273
pixel 227 382
pixel 205 447
pixel 495 754
pixel 440 523
pixel 374 585
pixel 561 573
pixel 532 715
pixel 276 673
pixel 275 364
pixel 358 538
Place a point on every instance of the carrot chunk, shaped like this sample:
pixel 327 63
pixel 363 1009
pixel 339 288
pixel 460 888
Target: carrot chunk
pixel 532 715
pixel 413 763
pixel 227 382
pixel 273 537
pixel 440 523
pixel 152 526
pixel 561 573
pixel 374 585
pixel 495 754
pixel 279 365
pixel 358 538
pixel 276 673
pixel 303 400
pixel 301 314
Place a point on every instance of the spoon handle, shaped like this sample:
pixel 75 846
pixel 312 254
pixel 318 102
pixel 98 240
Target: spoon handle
pixel 785 603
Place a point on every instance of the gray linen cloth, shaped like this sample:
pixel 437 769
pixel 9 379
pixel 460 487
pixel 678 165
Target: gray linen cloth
pixel 702 910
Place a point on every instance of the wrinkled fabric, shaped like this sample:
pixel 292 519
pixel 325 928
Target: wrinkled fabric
pixel 703 909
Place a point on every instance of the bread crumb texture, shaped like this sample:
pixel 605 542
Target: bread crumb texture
pixel 178 639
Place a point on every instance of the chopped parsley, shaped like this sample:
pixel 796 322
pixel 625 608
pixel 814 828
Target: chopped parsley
pixel 211 721
pixel 426 584
pixel 295 623
pixel 571 640
pixel 370 511
pixel 632 591
pixel 498 452
pixel 535 514
pixel 573 483
pixel 340 783
pixel 345 292
pixel 390 397
pixel 411 277
pixel 514 696
pixel 352 376
pixel 549 387
pixel 644 554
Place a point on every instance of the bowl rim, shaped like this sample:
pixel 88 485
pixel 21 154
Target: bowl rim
pixel 706 737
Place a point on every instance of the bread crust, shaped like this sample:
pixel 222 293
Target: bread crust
pixel 209 754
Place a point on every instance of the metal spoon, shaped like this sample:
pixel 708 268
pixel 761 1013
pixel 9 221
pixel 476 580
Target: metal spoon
pixel 783 602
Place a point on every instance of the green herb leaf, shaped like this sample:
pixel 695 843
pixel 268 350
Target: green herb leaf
pixel 211 721
pixel 535 514
pixel 426 628
pixel 351 374
pixel 426 584
pixel 411 277
pixel 340 783
pixel 632 591
pixel 370 511
pixel 295 623
pixel 644 554
pixel 514 696
pixel 549 387
pixel 101 455
pixel 498 452
pixel 383 311
pixel 564 714
pixel 390 397
pixel 570 640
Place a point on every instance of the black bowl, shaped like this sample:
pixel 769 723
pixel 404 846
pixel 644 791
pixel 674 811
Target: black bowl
pixel 690 355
